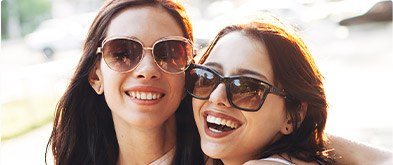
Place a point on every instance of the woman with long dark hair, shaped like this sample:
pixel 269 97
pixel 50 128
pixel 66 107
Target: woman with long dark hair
pixel 126 102
pixel 258 94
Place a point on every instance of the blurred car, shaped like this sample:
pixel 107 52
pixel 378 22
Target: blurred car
pixel 379 12
pixel 201 43
pixel 222 13
pixel 59 34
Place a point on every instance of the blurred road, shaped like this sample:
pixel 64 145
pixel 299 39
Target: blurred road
pixel 28 75
pixel 27 149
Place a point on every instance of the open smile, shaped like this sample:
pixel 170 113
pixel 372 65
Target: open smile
pixel 218 125
pixel 145 95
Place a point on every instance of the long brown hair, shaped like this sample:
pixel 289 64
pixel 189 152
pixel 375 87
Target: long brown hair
pixel 83 130
pixel 295 71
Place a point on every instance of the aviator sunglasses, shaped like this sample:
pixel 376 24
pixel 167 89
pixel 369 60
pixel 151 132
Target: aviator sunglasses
pixel 172 54
pixel 244 93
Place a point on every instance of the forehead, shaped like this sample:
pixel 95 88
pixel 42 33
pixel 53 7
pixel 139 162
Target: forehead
pixel 236 51
pixel 147 23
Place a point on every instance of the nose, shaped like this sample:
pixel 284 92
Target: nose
pixel 219 96
pixel 147 68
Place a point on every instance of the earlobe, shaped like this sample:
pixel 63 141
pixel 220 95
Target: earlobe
pixel 100 90
pixel 300 114
pixel 287 127
pixel 95 79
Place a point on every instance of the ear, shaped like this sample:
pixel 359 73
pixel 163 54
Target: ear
pixel 300 114
pixel 96 79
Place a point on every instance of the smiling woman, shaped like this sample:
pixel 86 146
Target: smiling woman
pixel 259 95
pixel 259 99
pixel 125 103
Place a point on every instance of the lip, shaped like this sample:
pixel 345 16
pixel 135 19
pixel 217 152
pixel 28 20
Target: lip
pixel 145 89
pixel 212 134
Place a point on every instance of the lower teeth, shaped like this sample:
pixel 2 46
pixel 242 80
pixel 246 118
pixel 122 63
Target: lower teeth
pixel 218 128
pixel 214 130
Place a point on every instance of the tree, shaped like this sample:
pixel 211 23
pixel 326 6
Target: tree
pixel 24 15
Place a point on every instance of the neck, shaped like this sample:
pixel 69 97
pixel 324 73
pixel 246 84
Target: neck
pixel 144 145
pixel 235 160
pixel 232 162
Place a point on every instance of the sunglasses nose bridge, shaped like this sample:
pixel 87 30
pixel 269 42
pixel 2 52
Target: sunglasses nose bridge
pixel 146 62
pixel 148 49
pixel 145 50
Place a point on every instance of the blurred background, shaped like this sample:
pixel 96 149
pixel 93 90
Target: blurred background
pixel 351 41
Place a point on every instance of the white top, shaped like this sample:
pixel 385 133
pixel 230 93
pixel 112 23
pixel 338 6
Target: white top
pixel 279 160
pixel 165 159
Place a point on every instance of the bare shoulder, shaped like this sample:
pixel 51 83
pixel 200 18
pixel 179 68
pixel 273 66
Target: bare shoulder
pixel 279 160
pixel 352 152
pixel 262 162
pixel 268 162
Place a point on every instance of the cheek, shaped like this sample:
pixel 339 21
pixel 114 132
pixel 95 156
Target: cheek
pixel 270 118
pixel 274 107
pixel 176 84
pixel 113 93
pixel 112 81
pixel 197 105
pixel 110 77
pixel 264 127
pixel 266 123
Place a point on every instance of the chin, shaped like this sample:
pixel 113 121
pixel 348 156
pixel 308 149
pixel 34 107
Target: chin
pixel 147 121
pixel 147 124
pixel 214 150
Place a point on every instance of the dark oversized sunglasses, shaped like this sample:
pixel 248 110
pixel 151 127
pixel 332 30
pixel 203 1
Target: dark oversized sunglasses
pixel 172 54
pixel 244 93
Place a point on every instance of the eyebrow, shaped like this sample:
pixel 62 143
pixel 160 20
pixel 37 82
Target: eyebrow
pixel 238 71
pixel 214 65
pixel 250 72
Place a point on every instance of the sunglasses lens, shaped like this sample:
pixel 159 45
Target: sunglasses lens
pixel 122 54
pixel 200 83
pixel 173 56
pixel 246 93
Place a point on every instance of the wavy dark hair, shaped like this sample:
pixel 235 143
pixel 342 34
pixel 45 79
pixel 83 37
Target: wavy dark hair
pixel 295 71
pixel 83 130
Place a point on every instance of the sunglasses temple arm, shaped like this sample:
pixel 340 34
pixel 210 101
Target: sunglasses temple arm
pixel 277 91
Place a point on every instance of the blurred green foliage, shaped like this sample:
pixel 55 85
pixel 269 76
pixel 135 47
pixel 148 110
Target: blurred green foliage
pixel 21 116
pixel 4 20
pixel 28 13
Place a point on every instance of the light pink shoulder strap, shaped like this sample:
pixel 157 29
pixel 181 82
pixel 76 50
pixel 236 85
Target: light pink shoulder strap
pixel 283 161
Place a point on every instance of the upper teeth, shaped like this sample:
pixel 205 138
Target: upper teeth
pixel 145 95
pixel 220 121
